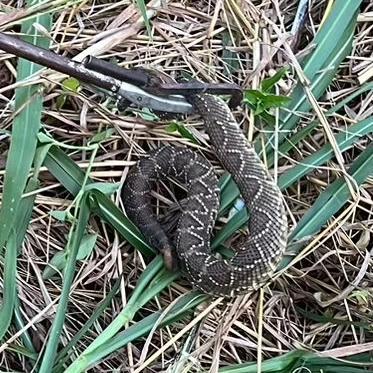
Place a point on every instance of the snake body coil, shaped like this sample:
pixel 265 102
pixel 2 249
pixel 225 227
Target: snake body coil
pixel 253 263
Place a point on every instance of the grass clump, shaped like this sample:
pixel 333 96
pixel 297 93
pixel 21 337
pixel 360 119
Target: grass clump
pixel 81 289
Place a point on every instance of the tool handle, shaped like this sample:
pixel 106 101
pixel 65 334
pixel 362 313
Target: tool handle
pixel 44 57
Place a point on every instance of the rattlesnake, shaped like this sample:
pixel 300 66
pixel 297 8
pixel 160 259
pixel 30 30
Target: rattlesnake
pixel 253 264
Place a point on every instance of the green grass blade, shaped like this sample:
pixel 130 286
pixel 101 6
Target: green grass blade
pixel 9 292
pixel 228 195
pixel 333 43
pixel 22 352
pixel 14 243
pixel 107 210
pixel 64 354
pixel 76 235
pixel 133 305
pixel 152 281
pixel 15 213
pixel 344 141
pixel 28 105
pixel 327 204
pixel 69 174
pixel 282 363
pixel 334 197
pixel 364 88
pixel 142 7
pixel 23 219
pixel 238 220
pixel 301 361
pixel 20 324
pixel 24 212
pixel 182 308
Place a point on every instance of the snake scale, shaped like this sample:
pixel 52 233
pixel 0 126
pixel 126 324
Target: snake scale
pixel 252 264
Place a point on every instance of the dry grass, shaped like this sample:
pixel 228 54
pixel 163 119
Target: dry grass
pixel 322 303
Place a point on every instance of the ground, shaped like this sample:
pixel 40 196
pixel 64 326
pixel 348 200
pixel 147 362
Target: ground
pixel 321 300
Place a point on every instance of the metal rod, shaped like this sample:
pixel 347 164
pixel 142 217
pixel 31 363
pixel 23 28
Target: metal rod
pixel 132 76
pixel 196 87
pixel 57 62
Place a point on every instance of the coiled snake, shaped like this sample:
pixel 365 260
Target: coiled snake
pixel 252 264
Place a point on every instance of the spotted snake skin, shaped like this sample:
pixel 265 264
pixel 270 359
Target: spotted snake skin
pixel 252 264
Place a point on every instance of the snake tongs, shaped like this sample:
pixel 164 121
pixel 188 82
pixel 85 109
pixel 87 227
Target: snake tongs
pixel 130 87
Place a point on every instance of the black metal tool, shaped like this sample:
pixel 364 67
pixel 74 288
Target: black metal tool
pixel 138 86
pixel 160 84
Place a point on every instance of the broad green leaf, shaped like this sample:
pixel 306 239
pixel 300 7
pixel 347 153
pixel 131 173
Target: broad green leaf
pixel 101 136
pixel 182 130
pixel 71 84
pixel 269 83
pixel 59 260
pixel 261 102
pixel 106 188
pixel 272 101
pixel 86 246
pixel 146 114
pixel 62 216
